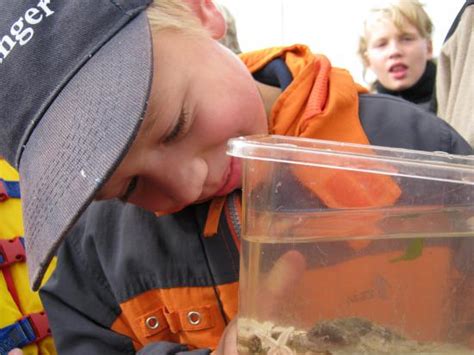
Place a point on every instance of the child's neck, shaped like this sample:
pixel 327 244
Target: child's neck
pixel 269 95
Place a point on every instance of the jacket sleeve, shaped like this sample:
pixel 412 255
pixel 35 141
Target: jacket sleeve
pixel 392 122
pixel 82 308
pixel 80 305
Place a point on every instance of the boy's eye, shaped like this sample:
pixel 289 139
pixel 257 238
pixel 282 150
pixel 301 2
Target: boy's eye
pixel 178 129
pixel 407 38
pixel 379 44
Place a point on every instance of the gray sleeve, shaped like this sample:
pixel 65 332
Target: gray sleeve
pixel 392 122
pixel 80 305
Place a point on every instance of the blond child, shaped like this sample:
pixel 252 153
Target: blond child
pixel 396 47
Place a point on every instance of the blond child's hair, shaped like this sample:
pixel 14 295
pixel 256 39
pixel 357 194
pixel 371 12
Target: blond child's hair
pixel 399 13
pixel 173 15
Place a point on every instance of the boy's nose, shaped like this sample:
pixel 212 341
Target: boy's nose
pixel 394 49
pixel 184 178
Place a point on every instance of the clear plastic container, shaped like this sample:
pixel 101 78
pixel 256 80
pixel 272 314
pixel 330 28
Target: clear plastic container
pixel 353 249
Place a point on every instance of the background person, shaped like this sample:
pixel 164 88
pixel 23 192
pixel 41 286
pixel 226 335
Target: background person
pixel 396 46
pixel 230 39
pixel 455 77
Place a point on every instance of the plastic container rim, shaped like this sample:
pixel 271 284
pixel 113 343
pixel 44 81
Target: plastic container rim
pixel 439 166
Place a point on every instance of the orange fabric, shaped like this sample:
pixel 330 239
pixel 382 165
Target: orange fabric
pixel 413 296
pixel 464 308
pixel 213 216
pixel 171 309
pixel 322 102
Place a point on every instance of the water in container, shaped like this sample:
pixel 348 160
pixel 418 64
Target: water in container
pixel 353 249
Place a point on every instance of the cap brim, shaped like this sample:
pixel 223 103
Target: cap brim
pixel 81 139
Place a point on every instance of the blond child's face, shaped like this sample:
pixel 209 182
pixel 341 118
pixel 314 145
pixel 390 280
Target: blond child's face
pixel 201 96
pixel 397 58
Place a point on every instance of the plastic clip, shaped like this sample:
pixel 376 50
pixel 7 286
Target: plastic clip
pixel 40 324
pixel 11 251
pixel 3 192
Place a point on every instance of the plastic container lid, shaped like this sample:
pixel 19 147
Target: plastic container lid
pixel 439 166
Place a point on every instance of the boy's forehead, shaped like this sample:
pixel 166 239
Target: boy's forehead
pixel 386 21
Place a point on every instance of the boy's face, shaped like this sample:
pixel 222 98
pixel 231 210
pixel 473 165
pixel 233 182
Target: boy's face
pixel 201 96
pixel 397 58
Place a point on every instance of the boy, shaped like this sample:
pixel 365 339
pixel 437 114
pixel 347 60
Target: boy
pixel 454 89
pixel 396 46
pixel 127 279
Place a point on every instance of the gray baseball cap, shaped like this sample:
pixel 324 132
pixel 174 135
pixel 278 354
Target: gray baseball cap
pixel 75 80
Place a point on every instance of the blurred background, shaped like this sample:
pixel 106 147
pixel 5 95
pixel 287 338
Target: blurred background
pixel 330 27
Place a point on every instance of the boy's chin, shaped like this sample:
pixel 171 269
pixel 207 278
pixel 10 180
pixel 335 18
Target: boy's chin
pixel 166 212
pixel 177 209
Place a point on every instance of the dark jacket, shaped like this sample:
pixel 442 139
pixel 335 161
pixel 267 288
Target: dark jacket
pixel 421 93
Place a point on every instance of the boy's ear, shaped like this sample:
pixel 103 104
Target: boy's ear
pixel 210 17
pixel 365 60
pixel 430 49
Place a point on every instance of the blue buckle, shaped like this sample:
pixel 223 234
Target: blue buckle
pixel 11 251
pixel 3 192
pixel 9 189
pixel 17 335
pixel 30 329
